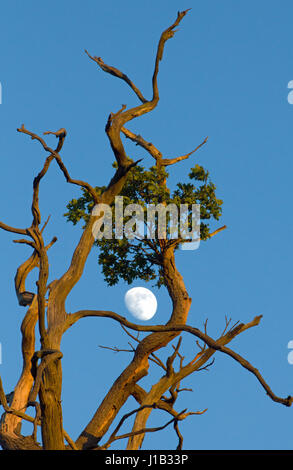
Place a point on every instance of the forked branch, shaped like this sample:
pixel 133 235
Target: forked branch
pixel 154 152
pixel 210 342
pixel 55 154
pixel 117 120
pixel 178 417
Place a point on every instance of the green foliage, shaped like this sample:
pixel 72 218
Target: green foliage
pixel 139 258
pixel 81 208
pixel 125 260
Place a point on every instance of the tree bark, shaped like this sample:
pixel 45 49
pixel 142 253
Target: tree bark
pixel 50 401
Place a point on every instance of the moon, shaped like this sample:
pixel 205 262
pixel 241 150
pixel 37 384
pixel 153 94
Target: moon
pixel 141 303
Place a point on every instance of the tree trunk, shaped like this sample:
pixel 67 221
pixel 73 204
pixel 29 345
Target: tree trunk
pixel 50 401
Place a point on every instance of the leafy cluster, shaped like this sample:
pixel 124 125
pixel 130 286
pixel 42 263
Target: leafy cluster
pixel 139 258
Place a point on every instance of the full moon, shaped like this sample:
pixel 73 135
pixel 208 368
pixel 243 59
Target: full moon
pixel 141 303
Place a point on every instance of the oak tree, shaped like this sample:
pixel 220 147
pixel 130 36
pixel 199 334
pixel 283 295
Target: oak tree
pixel 147 258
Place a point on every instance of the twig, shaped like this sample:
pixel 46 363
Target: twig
pixel 217 231
pixel 171 161
pixel 180 437
pixel 69 440
pixel 207 366
pixel 115 349
pixel 184 390
pixel 153 357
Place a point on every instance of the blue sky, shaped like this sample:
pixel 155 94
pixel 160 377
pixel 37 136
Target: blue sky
pixel 225 76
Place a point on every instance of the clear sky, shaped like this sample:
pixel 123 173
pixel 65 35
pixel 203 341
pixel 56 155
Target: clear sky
pixel 224 75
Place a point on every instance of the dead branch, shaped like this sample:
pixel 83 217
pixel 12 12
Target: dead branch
pixel 153 357
pixel 179 417
pixel 69 440
pixel 37 418
pixel 8 228
pixel 9 409
pixel 180 437
pixel 55 154
pixel 148 146
pixel 47 357
pixel 12 422
pixel 171 161
pixel 35 421
pixel 115 349
pixel 206 367
pixel 154 152
pixel 113 436
pixel 25 298
pixel 184 390
pixel 171 358
pixel 118 120
pixel 211 343
pixel 141 395
pixel 117 73
pixel 217 231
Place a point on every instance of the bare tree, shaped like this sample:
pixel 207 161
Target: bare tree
pixel 40 382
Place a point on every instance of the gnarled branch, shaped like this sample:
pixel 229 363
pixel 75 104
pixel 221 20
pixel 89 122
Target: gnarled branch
pixel 213 344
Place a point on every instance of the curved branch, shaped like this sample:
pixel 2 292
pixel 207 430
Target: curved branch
pixel 117 73
pixel 167 34
pixel 12 422
pixel 154 152
pixel 139 140
pixel 213 344
pixel 49 356
pixel 171 161
pixel 217 231
pixel 25 298
pixel 116 121
pixel 55 154
pixel 8 228
pixel 178 417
